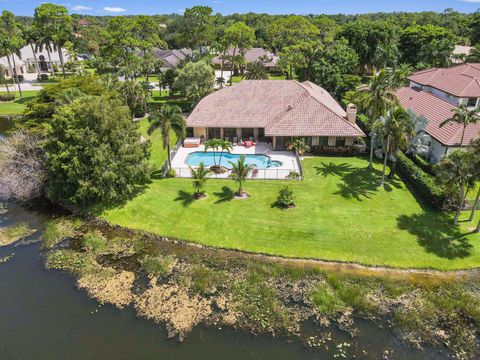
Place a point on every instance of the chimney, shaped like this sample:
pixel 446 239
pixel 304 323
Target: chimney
pixel 351 113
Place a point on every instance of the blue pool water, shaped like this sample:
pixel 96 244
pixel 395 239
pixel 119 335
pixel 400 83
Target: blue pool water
pixel 260 161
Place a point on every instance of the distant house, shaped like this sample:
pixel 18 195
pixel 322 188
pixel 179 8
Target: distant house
pixel 434 93
pixel 83 22
pixel 171 58
pixel 269 59
pixel 26 62
pixel 460 53
pixel 274 111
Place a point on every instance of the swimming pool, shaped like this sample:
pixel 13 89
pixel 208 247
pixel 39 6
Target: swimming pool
pixel 260 161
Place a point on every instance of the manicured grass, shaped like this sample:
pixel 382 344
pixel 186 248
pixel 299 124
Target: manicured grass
pixel 16 107
pixel 341 215
pixel 237 79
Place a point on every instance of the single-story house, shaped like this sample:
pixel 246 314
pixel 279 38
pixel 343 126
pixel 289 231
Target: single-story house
pixel 269 59
pixel 460 53
pixel 171 58
pixel 274 111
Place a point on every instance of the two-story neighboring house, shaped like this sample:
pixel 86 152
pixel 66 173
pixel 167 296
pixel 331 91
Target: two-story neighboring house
pixel 434 93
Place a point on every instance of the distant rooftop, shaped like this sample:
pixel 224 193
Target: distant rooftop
pixel 460 80
pixel 252 55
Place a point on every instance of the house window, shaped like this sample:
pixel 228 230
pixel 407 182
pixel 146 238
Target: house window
pixel 340 141
pixel 323 141
pixel 472 102
pixel 189 132
pixel 229 133
pixel 213 133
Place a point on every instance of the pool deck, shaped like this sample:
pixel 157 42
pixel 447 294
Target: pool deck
pixel 287 158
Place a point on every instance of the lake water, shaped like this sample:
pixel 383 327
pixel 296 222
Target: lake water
pixel 44 316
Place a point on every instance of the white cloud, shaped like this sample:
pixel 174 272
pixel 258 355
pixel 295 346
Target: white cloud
pixel 114 9
pixel 81 8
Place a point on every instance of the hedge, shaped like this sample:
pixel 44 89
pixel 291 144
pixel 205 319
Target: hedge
pixel 334 150
pixel 423 183
pixel 423 164
pixel 7 97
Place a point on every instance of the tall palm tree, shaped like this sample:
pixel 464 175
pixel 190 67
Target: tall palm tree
pixel 30 35
pixel 239 174
pixel 463 116
pixel 400 74
pixel 133 94
pixel 213 144
pixel 395 130
pixel 169 119
pixel 44 42
pixel 474 149
pixel 256 71
pixel 199 177
pixel 455 173
pixel 375 99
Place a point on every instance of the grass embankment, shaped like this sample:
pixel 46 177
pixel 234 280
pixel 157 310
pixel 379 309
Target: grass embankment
pixel 17 106
pixel 14 233
pixel 341 215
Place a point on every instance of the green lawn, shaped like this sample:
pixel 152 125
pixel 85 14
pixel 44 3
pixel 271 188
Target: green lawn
pixel 16 107
pixel 237 79
pixel 341 214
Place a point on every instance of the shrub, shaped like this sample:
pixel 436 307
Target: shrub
pixel 293 175
pixel 20 78
pixel 423 164
pixel 95 241
pixel 42 77
pixel 158 265
pixel 334 150
pixel 139 111
pixel 326 301
pixel 7 97
pixel 170 173
pixel 285 198
pixel 423 183
pixel 55 231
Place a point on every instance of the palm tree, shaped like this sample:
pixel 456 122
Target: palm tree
pixel 386 55
pixel 400 74
pixel 199 177
pixel 377 98
pixel 213 144
pixel 298 145
pixel 133 94
pixel 395 130
pixel 474 149
pixel 256 71
pixel 44 42
pixel 463 116
pixel 220 81
pixel 240 172
pixel 169 119
pixel 455 173
pixel 30 35
pixel 224 145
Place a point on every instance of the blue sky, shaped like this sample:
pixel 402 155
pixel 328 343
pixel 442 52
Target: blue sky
pixel 115 7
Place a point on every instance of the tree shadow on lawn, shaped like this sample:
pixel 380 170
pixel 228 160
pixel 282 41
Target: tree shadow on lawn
pixel 436 233
pixel 225 195
pixel 185 197
pixel 358 183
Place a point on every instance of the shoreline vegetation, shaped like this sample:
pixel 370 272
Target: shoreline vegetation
pixel 181 287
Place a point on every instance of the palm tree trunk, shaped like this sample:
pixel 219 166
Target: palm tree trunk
pixel 370 164
pixel 460 205
pixel 222 66
pixel 37 67
pixel 385 162
pixel 15 76
pixel 478 227
pixel 463 135
pixel 169 160
pixel 475 206
pixel 52 71
pixel 60 55
pixel 232 65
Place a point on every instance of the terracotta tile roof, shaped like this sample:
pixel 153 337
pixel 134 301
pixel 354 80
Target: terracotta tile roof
pixel 282 107
pixel 251 55
pixel 460 80
pixel 436 110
